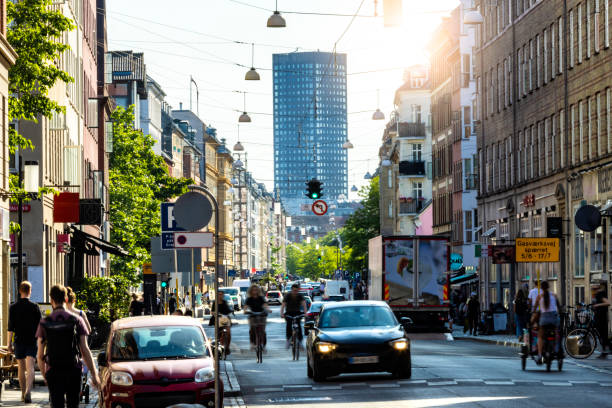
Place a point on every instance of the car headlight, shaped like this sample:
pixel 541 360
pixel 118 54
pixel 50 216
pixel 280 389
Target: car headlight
pixel 205 374
pixel 324 347
pixel 119 378
pixel 400 344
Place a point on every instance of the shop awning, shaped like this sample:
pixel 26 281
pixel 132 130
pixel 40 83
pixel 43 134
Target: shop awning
pixel 463 278
pixel 92 242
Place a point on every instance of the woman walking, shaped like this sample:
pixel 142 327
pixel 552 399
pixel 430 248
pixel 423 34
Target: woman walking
pixel 521 312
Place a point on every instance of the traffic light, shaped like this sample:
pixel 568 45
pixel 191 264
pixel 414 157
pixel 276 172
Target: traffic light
pixel 314 189
pixel 319 258
pixel 164 284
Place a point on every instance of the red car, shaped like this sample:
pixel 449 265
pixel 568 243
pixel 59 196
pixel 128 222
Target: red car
pixel 157 361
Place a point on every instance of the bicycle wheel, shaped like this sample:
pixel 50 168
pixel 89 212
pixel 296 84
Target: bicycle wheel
pixel 580 343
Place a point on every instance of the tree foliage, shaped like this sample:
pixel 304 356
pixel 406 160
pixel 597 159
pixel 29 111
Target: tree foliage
pixel 34 31
pixel 138 183
pixel 362 225
pixel 108 294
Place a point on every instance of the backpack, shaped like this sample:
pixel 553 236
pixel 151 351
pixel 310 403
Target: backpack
pixel 522 306
pixel 62 342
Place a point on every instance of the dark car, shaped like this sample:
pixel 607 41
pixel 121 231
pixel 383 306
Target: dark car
pixel 156 361
pixel 313 313
pixel 316 289
pixel 357 336
pixel 334 298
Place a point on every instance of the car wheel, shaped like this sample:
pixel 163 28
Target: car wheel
pixel 317 374
pixel 404 372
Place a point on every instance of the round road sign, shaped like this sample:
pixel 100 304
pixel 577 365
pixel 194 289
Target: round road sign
pixel 192 211
pixel 319 207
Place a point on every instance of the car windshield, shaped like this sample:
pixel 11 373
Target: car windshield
pixel 315 307
pixel 357 316
pixel 158 343
pixel 273 294
pixel 230 291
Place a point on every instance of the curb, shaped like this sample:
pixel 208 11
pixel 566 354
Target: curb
pixel 504 343
pixel 234 402
pixel 232 387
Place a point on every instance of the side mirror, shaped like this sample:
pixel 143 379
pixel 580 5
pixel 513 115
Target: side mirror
pixel 309 325
pixel 406 321
pixel 102 359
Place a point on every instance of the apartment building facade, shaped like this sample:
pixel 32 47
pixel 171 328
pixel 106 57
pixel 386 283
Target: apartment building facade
pixel 544 106
pixel 405 176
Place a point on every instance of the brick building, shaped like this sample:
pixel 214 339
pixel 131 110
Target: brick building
pixel 544 109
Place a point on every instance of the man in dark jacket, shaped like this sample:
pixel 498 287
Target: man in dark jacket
pixel 473 313
pixel 24 316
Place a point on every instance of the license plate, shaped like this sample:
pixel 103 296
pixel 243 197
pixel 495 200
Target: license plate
pixel 363 360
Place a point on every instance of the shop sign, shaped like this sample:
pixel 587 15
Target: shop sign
pixel 537 249
pixel 528 200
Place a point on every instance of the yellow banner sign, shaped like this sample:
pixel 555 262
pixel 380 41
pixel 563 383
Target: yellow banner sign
pixel 537 249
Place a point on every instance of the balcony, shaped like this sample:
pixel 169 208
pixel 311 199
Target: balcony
pixel 413 206
pixel 412 168
pixel 471 182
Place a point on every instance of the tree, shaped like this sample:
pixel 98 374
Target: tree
pixel 362 225
pixel 138 183
pixel 34 30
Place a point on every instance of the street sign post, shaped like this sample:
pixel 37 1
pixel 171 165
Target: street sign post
pixel 537 249
pixel 319 207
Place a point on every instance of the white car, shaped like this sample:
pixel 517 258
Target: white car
pixel 235 295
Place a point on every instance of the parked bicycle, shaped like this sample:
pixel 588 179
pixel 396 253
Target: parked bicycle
pixel 258 322
pixel 295 336
pixel 581 340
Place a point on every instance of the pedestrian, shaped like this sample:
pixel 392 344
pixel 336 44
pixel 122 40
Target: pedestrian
pixel 533 295
pixel 207 298
pixel 172 304
pixel 24 316
pixel 473 313
pixel 62 338
pixel 521 308
pixel 70 300
pixel 136 306
pixel 601 306
pixel 187 301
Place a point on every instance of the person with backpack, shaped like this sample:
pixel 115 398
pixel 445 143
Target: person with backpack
pixel 522 309
pixel 62 341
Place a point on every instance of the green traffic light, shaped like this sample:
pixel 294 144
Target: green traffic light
pixel 315 195
pixel 164 284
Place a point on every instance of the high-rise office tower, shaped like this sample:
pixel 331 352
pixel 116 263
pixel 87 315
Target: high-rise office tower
pixel 310 123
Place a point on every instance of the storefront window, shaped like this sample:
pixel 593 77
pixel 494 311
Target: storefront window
pixel 492 273
pixel 596 249
pixel 609 226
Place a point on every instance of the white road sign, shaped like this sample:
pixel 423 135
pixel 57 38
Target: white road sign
pixel 193 240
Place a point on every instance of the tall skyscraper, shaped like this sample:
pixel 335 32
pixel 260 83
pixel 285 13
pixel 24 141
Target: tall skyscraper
pixel 310 124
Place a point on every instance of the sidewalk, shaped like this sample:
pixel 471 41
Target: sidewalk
pixel 506 340
pixel 11 396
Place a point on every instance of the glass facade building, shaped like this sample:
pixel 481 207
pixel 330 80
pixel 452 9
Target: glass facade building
pixel 310 123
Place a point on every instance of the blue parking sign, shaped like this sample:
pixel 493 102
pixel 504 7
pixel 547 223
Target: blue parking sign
pixel 168 223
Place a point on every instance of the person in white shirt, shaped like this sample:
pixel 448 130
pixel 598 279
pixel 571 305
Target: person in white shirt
pixel 533 295
pixel 187 301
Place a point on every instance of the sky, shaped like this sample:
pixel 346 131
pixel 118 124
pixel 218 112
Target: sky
pixel 208 39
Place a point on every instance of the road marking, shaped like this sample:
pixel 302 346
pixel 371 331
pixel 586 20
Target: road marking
pixel 412 382
pixel 584 382
pixel 561 384
pixel 298 386
pixel 499 382
pixel 442 383
pixel 391 385
pixel 326 388
pixel 356 384
pixel 268 390
pixel 606 384
pixel 469 380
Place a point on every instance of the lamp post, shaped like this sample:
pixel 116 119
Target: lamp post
pixel 28 178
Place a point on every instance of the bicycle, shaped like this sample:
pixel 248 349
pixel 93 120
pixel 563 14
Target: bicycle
pixel 581 340
pixel 295 335
pixel 224 323
pixel 258 321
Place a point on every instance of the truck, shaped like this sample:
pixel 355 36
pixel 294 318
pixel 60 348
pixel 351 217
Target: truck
pixel 411 274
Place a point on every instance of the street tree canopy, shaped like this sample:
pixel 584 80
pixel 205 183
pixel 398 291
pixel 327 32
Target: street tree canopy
pixel 138 183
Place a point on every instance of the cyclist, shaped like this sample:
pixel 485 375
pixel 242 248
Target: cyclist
pixel 256 303
pixel 601 305
pixel 224 310
pixel 549 314
pixel 293 305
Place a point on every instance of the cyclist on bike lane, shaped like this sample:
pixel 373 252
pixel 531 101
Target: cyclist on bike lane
pixel 256 303
pixel 224 310
pixel 548 315
pixel 293 305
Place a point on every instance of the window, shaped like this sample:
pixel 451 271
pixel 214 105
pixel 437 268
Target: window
pixel 519 156
pixel 596 248
pixel 417 150
pixel 598 124
pixel 571 39
pixel 519 64
pixel 588 28
pixel 390 213
pixel 553 56
pixel 580 33
pixel 578 294
pixel 560 36
pixel 578 251
pixel 545 59
pixel 609 225
pixel 553 144
pixel 609 120
pixel 531 61
pixel 581 129
pixel 510 81
pixel 546 147
pixel 562 139
pixel 573 137
pixel 417 189
pixel 390 177
pixel 590 126
pixel 596 25
pixel 606 18
pixel 538 67
pixel 468 226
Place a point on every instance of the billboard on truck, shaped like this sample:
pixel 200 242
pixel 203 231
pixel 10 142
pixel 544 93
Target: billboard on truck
pixel 401 277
